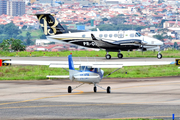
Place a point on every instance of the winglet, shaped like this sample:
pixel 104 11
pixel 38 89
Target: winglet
pixel 0 63
pixel 93 37
pixel 70 61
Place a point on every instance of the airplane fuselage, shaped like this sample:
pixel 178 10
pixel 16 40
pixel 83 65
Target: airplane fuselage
pixel 109 40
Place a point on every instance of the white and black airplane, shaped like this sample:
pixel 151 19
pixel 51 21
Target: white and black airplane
pixel 111 41
pixel 88 73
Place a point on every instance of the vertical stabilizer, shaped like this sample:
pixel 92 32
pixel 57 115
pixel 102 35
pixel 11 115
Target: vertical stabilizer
pixel 70 61
pixel 49 24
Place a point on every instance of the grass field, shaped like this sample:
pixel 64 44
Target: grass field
pixel 40 72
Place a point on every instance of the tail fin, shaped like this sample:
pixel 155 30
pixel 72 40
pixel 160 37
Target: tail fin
pixel 49 24
pixel 70 61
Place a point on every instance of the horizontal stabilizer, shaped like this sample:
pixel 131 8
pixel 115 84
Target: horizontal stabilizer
pixel 57 76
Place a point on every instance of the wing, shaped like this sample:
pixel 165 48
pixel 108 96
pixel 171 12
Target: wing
pixel 64 64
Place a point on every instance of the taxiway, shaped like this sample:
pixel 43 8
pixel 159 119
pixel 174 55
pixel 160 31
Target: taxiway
pixel 130 98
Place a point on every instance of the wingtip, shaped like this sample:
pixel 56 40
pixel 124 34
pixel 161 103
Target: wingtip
pixel 0 62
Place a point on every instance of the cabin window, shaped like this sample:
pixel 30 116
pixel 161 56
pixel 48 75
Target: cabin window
pixel 84 36
pixel 115 35
pixel 120 35
pixel 110 35
pixel 100 35
pixel 85 68
pixel 132 35
pixel 105 35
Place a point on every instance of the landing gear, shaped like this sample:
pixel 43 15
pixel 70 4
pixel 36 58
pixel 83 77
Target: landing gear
pixel 95 89
pixel 108 89
pixel 108 56
pixel 159 55
pixel 120 55
pixel 69 89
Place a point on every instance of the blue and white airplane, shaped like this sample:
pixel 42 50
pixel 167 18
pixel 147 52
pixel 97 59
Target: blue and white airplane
pixel 89 72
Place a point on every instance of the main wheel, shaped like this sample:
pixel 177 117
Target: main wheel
pixel 159 55
pixel 120 55
pixel 108 89
pixel 95 89
pixel 69 89
pixel 108 56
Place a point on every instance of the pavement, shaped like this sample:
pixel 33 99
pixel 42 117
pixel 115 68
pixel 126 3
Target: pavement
pixel 130 98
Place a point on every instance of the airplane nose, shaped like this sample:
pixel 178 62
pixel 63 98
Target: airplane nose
pixel 159 42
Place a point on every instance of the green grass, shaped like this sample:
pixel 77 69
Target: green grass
pixel 101 53
pixel 40 72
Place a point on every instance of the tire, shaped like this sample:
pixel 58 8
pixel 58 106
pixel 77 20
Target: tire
pixel 95 89
pixel 108 56
pixel 159 56
pixel 69 89
pixel 108 89
pixel 120 55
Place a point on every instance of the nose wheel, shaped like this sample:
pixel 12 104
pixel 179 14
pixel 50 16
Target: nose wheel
pixel 95 89
pixel 159 55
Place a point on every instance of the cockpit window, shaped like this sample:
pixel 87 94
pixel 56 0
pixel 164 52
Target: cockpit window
pixel 137 35
pixel 132 35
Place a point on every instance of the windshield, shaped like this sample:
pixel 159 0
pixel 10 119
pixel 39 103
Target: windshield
pixel 83 68
pixel 138 34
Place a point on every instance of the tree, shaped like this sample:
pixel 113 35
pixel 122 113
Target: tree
pixel 5 45
pixel 175 45
pixel 24 27
pixel 11 30
pixel 159 37
pixel 17 45
pixel 104 19
pixel 12 44
pixel 28 36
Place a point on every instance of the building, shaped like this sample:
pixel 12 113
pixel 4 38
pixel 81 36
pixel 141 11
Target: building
pixel 15 7
pixel 32 1
pixel 3 7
